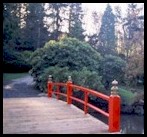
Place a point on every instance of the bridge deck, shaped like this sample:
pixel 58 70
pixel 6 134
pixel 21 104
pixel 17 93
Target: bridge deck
pixel 42 115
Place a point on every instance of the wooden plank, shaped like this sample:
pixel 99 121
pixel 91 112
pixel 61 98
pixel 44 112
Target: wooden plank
pixel 47 116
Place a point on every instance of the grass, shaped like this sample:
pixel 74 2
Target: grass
pixel 11 76
pixel 127 97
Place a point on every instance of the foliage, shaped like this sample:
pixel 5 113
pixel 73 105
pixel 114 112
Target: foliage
pixel 84 77
pixel 28 26
pixel 34 32
pixel 68 52
pixel 75 21
pixel 129 96
pixel 11 25
pixel 106 41
pixel 56 17
pixel 134 71
pixel 134 44
pixel 112 67
pixel 14 61
pixel 26 54
pixel 13 41
pixel 69 56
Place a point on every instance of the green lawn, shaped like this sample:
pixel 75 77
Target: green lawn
pixel 11 76
pixel 127 97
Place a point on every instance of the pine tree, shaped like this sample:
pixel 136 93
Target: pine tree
pixel 56 16
pixel 75 21
pixel 35 34
pixel 106 43
pixel 11 25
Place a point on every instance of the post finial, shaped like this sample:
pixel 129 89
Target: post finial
pixel 114 88
pixel 50 77
pixel 69 78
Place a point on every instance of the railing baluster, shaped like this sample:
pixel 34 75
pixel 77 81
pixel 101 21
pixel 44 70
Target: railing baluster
pixel 69 90
pixel 58 91
pixel 50 86
pixel 86 101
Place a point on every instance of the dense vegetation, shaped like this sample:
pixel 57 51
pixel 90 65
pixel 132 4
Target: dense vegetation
pixel 15 61
pixel 64 58
pixel 49 38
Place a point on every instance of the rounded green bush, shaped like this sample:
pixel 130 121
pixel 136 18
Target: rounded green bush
pixel 112 67
pixel 69 56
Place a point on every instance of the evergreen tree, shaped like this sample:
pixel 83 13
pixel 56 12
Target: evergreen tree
pixel 13 61
pixel 106 43
pixel 35 34
pixel 75 21
pixel 11 25
pixel 56 16
pixel 134 44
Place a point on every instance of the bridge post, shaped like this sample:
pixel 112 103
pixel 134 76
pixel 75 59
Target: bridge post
pixel 50 86
pixel 69 90
pixel 86 101
pixel 114 109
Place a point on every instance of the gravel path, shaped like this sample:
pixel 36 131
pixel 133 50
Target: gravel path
pixel 22 87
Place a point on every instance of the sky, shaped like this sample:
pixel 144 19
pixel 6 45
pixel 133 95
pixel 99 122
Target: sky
pixel 100 7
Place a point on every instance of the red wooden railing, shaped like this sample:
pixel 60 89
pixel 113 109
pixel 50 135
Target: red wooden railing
pixel 113 113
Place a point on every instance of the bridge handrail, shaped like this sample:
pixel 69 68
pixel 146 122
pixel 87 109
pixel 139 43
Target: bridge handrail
pixel 113 100
pixel 93 92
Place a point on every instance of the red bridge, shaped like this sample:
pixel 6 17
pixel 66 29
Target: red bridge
pixel 113 114
pixel 42 115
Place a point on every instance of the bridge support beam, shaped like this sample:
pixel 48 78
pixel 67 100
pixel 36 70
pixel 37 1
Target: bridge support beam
pixel 50 86
pixel 69 90
pixel 114 109
pixel 86 102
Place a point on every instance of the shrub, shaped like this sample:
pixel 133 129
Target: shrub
pixel 68 52
pixel 14 61
pixel 26 54
pixel 67 57
pixel 84 77
pixel 112 67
